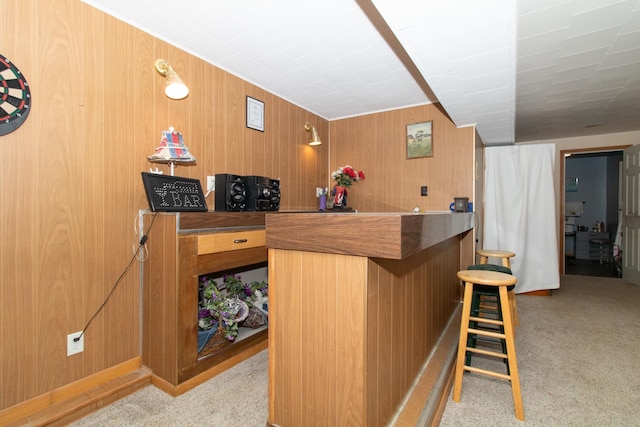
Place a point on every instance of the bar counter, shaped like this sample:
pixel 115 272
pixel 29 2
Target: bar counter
pixel 358 302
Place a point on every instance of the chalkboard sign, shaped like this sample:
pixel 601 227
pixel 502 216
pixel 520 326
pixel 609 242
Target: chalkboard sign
pixel 173 193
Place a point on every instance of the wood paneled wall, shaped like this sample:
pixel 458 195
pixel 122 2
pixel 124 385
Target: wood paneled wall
pixel 376 144
pixel 360 327
pixel 70 185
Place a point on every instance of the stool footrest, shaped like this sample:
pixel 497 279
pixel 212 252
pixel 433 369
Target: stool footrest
pixel 487 333
pixel 487 352
pixel 485 372
pixel 486 320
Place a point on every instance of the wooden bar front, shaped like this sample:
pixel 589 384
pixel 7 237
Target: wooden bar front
pixel 357 303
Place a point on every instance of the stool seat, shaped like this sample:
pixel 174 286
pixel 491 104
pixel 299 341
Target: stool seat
pixel 491 267
pixel 470 325
pixel 486 277
pixel 505 256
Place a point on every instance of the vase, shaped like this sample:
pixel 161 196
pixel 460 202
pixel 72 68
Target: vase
pixel 339 197
pixel 205 335
pixel 323 202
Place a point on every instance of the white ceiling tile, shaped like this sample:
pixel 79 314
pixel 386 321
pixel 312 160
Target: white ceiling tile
pixel 526 7
pixel 541 43
pixel 611 15
pixel 563 76
pixel 601 94
pixel 544 20
pixel 587 42
pixel 538 61
pixel 626 42
pixel 614 74
pixel 498 79
pixel 335 63
pixel 622 59
pixel 483 63
pixel 588 59
pixel 633 23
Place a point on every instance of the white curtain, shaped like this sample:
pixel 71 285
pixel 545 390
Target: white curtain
pixel 520 212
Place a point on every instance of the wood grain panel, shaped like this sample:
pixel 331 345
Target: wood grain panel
pixel 94 171
pixel 19 329
pixel 71 193
pixel 349 334
pixel 58 173
pixel 387 235
pixel 376 145
pixel 319 356
pixel 223 242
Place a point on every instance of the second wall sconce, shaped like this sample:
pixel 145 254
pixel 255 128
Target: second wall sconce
pixel 175 89
pixel 314 139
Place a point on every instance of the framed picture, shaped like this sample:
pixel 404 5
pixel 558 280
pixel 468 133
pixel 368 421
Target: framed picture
pixel 420 140
pixel 255 114
pixel 571 185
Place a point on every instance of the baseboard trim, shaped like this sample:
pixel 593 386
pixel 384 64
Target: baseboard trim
pixel 176 390
pixel 540 293
pixel 426 401
pixel 80 398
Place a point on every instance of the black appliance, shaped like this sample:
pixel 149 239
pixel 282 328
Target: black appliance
pixel 231 193
pixel 263 194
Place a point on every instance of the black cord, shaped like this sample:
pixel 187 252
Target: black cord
pixel 141 244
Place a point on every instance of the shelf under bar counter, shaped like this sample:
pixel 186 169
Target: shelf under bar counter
pixel 363 311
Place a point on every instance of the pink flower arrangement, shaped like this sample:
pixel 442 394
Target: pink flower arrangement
pixel 346 175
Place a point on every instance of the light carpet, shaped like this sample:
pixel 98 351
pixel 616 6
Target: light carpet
pixel 238 397
pixel 578 354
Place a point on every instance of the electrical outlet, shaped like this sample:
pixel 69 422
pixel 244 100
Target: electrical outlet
pixel 423 190
pixel 318 191
pixel 211 183
pixel 75 347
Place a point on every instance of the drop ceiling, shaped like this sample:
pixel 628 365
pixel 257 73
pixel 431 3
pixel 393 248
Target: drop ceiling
pixel 519 71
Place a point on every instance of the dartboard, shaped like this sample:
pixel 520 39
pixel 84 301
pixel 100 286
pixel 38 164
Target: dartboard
pixel 15 98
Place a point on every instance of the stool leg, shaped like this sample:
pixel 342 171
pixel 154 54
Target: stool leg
pixel 462 342
pixel 511 354
pixel 514 308
pixel 472 338
pixel 483 259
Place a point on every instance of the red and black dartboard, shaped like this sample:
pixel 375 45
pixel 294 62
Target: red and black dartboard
pixel 15 97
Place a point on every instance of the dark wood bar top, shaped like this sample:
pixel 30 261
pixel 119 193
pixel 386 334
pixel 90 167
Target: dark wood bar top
pixel 393 235
pixel 212 220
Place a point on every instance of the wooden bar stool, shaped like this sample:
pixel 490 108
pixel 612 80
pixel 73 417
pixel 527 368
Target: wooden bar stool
pixel 505 257
pixel 501 281
pixel 485 303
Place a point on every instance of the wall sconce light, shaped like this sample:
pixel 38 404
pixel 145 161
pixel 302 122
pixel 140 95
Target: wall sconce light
pixel 175 89
pixel 314 139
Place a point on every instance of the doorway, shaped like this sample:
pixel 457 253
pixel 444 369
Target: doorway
pixel 591 206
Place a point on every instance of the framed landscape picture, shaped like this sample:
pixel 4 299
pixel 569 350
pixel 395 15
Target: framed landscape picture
pixel 420 140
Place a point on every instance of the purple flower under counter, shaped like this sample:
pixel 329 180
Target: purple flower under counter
pixel 383 287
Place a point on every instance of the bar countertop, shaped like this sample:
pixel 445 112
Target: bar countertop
pixel 393 235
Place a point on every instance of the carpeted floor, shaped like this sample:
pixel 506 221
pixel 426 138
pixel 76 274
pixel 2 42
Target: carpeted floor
pixel 237 397
pixel 578 356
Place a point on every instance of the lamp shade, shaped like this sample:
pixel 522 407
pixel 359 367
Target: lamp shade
pixel 314 139
pixel 175 88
